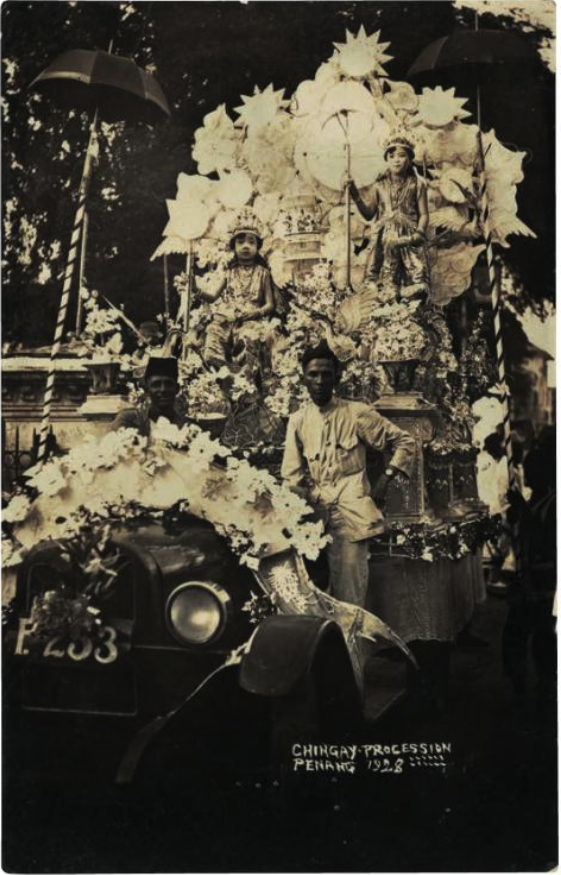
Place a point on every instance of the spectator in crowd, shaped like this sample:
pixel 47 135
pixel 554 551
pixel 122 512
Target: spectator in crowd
pixel 530 621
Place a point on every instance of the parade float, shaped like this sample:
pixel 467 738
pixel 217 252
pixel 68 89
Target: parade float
pixel 285 161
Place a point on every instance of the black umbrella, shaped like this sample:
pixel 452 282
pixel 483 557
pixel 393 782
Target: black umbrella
pixel 114 89
pixel 467 57
pixel 472 53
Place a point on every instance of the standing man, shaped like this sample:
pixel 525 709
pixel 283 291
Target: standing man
pixel 161 387
pixel 325 462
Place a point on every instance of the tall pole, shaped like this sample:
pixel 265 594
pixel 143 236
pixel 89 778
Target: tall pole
pixel 189 288
pixel 185 309
pixel 348 286
pixel 166 290
pixel 494 282
pixel 67 283
pixel 81 273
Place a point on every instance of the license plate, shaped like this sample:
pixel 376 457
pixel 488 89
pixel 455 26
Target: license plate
pixel 113 639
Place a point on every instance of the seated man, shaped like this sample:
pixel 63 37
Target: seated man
pixel 161 387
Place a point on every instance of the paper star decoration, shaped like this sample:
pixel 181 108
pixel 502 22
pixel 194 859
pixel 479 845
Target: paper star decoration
pixel 362 54
pixel 261 107
pixel 438 107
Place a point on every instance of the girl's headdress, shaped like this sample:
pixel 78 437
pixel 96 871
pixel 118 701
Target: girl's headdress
pixel 246 222
pixel 399 138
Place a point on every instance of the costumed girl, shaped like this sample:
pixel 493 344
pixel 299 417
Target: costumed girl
pixel 398 201
pixel 240 296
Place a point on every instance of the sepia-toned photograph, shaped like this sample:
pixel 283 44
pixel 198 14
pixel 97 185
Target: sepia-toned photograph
pixel 279 436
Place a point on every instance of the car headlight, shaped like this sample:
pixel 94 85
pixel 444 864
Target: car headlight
pixel 196 612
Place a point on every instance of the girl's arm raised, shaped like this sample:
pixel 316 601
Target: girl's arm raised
pixel 423 206
pixel 369 210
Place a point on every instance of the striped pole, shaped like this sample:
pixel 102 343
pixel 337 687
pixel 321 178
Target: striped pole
pixel 81 273
pixel 494 282
pixel 68 275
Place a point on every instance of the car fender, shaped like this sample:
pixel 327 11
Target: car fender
pixel 284 649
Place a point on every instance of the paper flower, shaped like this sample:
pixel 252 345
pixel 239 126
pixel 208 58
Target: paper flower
pixel 402 97
pixel 309 95
pixel 362 55
pixel 234 189
pixel 454 145
pixel 451 272
pixel 216 142
pixel 195 187
pixel 17 509
pixel 438 107
pixel 262 107
pixel 220 228
pixel 268 155
pixel 267 207
pixel 456 185
pixel 49 480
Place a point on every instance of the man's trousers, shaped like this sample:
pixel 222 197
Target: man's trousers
pixel 348 570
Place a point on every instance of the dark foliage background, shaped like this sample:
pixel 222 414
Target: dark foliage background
pixel 206 54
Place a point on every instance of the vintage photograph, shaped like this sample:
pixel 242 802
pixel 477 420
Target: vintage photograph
pixel 278 436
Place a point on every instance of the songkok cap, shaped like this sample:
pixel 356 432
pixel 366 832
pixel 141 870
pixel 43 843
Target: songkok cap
pixel 401 140
pixel 161 367
pixel 151 328
pixel 246 222
pixel 321 351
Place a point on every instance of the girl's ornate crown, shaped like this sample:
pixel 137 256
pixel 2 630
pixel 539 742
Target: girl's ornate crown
pixel 399 138
pixel 246 222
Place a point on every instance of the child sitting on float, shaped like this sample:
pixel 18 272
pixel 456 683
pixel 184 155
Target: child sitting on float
pixel 241 294
pixel 398 201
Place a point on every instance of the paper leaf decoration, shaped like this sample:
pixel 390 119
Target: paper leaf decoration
pixel 188 220
pixel 362 55
pixel 261 107
pixel 438 107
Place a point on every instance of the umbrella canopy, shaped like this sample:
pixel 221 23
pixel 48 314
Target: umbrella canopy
pixel 473 51
pixel 117 87
pixel 171 246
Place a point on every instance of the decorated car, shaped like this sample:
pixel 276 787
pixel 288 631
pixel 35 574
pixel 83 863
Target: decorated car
pixel 139 638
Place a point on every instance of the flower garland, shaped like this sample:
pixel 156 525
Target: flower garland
pixel 430 542
pixel 248 506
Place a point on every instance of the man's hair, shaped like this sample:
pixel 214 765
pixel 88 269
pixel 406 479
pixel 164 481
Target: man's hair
pixel 321 351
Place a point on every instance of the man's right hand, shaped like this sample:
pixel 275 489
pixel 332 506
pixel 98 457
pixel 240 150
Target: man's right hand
pixel 379 490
